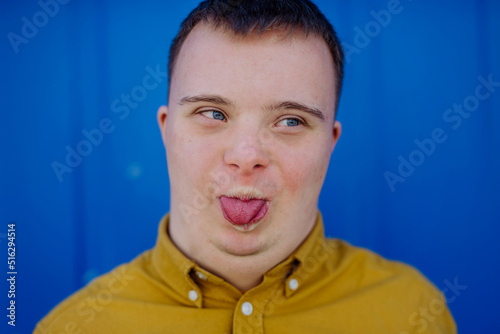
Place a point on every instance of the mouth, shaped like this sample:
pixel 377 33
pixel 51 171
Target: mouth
pixel 244 210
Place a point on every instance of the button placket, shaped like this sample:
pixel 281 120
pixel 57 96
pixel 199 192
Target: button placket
pixel 247 308
pixel 248 317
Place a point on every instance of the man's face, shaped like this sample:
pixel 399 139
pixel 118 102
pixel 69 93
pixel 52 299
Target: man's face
pixel 249 132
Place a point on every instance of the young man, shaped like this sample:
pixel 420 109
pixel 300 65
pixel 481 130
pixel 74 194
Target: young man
pixel 249 130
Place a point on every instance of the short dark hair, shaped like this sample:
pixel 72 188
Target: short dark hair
pixel 243 17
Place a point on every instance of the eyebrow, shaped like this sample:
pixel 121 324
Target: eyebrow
pixel 298 106
pixel 273 107
pixel 206 98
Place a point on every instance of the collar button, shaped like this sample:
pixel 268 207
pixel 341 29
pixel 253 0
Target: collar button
pixel 293 284
pixel 201 276
pixel 193 295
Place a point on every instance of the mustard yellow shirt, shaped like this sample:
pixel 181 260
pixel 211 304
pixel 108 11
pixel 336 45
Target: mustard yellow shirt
pixel 325 286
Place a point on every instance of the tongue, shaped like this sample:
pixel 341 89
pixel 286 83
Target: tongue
pixel 243 212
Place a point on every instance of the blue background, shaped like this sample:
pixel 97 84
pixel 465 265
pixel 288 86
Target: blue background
pixel 443 219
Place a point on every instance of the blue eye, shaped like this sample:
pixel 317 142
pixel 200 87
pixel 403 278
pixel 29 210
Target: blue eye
pixel 217 115
pixel 290 122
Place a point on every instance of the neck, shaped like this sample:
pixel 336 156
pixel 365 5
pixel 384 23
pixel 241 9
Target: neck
pixel 243 275
pixel 243 267
pixel 243 272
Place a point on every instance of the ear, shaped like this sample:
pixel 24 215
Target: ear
pixel 162 121
pixel 337 130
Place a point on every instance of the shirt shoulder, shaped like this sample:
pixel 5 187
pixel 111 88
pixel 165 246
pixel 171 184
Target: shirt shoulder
pixel 107 299
pixel 386 293
pixel 369 267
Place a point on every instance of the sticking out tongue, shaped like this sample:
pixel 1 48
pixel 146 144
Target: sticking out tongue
pixel 242 212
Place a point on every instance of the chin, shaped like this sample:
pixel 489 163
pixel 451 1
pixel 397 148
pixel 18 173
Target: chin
pixel 238 243
pixel 241 250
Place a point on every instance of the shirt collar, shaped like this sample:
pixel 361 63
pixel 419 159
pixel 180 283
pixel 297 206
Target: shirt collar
pixel 315 239
pixel 175 269
pixel 171 265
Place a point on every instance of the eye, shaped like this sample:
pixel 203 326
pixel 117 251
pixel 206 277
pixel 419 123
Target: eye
pixel 290 122
pixel 215 114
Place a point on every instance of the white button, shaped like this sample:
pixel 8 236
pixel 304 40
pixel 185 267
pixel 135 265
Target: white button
pixel 193 295
pixel 201 276
pixel 247 308
pixel 293 284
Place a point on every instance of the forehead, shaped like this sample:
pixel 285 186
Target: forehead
pixel 265 66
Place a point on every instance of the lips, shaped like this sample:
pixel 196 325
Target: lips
pixel 243 212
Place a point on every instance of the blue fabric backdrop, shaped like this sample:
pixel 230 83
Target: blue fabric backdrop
pixel 415 176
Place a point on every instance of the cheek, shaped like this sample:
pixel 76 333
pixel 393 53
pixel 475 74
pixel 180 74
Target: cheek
pixel 304 170
pixel 190 159
pixel 182 152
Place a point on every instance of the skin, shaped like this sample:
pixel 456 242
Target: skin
pixel 227 128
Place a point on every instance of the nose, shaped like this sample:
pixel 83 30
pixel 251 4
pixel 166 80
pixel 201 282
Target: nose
pixel 246 153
